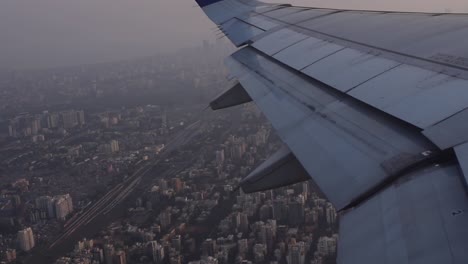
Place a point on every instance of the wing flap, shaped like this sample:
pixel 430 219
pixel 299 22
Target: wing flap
pixel 462 156
pixel 286 11
pixel 316 50
pixel 450 132
pixel 335 137
pixel 304 15
pixel 349 68
pixel 419 219
pixel 239 32
pixel 418 96
pixel 276 41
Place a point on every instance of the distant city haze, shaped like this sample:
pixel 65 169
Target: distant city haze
pixel 55 33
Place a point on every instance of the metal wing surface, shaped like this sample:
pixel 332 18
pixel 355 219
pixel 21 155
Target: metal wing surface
pixel 373 106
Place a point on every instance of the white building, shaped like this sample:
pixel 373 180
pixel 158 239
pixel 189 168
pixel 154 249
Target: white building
pixel 327 245
pixel 63 206
pixel 26 239
pixel 330 214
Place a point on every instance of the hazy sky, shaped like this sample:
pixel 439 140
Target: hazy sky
pixel 50 33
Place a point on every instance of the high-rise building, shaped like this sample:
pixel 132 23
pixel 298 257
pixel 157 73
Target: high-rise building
pixel 262 136
pixel 98 255
pixel 209 247
pixel 165 219
pixel 120 257
pixel 80 117
pixel 175 259
pixel 177 243
pixel 190 245
pixel 261 232
pixel 301 188
pixel 35 126
pixel 243 247
pixel 59 206
pixel 327 245
pixel 79 246
pixel 69 119
pixel 296 253
pixel 109 253
pixel 10 255
pixel 157 251
pixel 12 130
pixel 277 254
pixel 88 244
pixel 235 219
pixel 295 213
pixel 272 223
pixel 63 206
pixel 281 232
pixel 46 204
pixel 220 157
pixel 26 239
pixel 280 209
pixel 163 184
pixel 52 120
pixel 243 224
pixel 114 146
pixel 238 148
pixel 178 184
pixel 37 138
pixel 270 233
pixel 266 212
pixel 259 252
pixel 330 213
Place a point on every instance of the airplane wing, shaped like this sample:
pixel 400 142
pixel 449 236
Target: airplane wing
pixel 373 107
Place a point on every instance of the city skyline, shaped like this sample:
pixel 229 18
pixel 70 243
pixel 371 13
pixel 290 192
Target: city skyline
pixel 53 33
pixel 338 135
pixel 100 178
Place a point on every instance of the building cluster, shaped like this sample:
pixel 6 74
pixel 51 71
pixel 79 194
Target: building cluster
pixel 84 161
pixel 188 211
pixel 59 207
pixel 42 214
pixel 289 225
pixel 9 255
pixel 26 239
pixel 87 252
pixel 111 147
pixel 238 148
pixel 192 215
pixel 35 126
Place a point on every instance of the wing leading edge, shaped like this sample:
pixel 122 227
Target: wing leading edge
pixel 372 105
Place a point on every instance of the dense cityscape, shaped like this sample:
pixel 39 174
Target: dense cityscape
pixel 122 163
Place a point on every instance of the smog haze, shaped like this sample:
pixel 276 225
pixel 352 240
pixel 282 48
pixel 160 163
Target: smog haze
pixel 54 33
